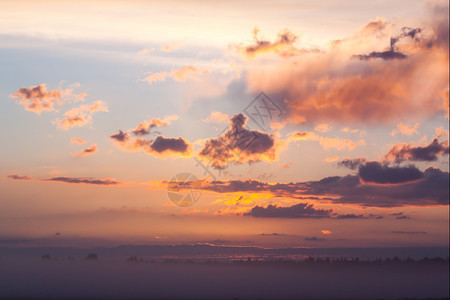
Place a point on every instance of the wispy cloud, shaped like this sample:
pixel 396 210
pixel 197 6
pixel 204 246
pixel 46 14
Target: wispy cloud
pixel 85 180
pixel 182 74
pixel 18 177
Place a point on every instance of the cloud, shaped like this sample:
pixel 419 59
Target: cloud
pixel 405 152
pixel 298 211
pixel 182 74
pixel 386 55
pixel 326 142
pixel 80 116
pixel 351 216
pixel 400 216
pixel 431 189
pixel 85 180
pixel 374 172
pixel 216 117
pixel 331 159
pixel 38 99
pixel 325 231
pixel 391 53
pixel 324 127
pixel 352 164
pixel 85 152
pixel 144 128
pixel 330 87
pixel 282 46
pixel 410 232
pixel 286 165
pixel 120 136
pixel 301 210
pixel 161 146
pixel 170 47
pixel 405 129
pixel 18 177
pixel 239 145
pixel 441 132
pixel 77 141
pixel 314 239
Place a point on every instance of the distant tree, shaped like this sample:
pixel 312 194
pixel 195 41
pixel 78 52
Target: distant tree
pixel 91 256
pixel 132 259
pixel 46 257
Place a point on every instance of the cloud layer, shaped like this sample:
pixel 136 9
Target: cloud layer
pixel 323 87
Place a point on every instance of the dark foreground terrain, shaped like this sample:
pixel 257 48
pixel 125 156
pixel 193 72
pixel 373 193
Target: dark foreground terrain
pixel 92 277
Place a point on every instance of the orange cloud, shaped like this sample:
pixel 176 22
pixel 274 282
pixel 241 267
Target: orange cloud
pixel 325 142
pixel 334 87
pixel 340 144
pixel 37 99
pixel 282 46
pixel 77 141
pixel 440 132
pixel 80 116
pixel 170 47
pixel 405 129
pixel 216 117
pixel 286 165
pixel 331 159
pixel 239 145
pixel 324 231
pixel 324 127
pixel 85 152
pixel 182 74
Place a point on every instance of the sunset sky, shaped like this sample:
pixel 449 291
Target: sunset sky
pixel 308 123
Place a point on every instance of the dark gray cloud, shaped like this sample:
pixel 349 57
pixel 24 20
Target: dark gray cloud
pixel 412 33
pixel 120 136
pixel 403 152
pixel 409 232
pixel 314 239
pixel 301 210
pixel 432 189
pixel 351 216
pixel 84 180
pixel 162 144
pixel 386 55
pixel 400 216
pixel 352 164
pixel 375 172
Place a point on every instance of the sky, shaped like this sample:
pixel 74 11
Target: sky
pixel 301 124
